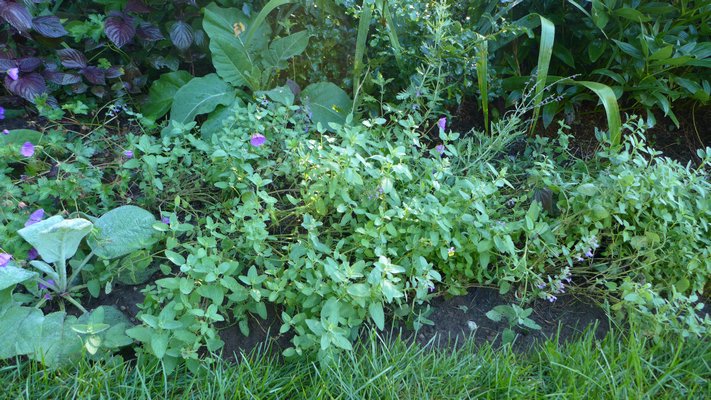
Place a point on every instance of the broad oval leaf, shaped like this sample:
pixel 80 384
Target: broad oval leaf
pixel 11 276
pixel 119 28
pixel 285 48
pixel 56 238
pixel 327 103
pixel 233 62
pixel 162 92
pixel 71 58
pixel 27 86
pixel 181 34
pixel 199 96
pixel 49 26
pixel 16 15
pixel 122 231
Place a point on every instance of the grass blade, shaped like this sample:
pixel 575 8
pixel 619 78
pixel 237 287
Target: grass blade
pixel 392 34
pixel 482 76
pixel 259 20
pixel 545 53
pixel 366 15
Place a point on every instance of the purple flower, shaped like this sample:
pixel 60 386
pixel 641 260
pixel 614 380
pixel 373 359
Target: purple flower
pixel 2 112
pixel 47 296
pixel 4 259
pixel 32 254
pixel 35 217
pixel 541 285
pixel 552 298
pixel 128 154
pixel 589 253
pixel 257 140
pixel 440 149
pixel 27 149
pixel 442 123
pixel 165 220
pixel 5 132
pixel 431 287
pixel 42 286
pixel 13 73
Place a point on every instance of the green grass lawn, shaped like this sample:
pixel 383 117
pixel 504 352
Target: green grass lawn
pixel 619 367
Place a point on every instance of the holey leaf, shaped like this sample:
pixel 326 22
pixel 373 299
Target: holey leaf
pixel 122 231
pixel 199 96
pixel 56 238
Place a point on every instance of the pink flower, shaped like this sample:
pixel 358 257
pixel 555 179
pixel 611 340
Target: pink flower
pixel 257 140
pixel 442 123
pixel 35 217
pixel 4 259
pixel 27 149
pixel 5 132
pixel 13 73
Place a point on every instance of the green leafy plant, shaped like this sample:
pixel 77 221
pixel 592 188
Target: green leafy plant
pixel 515 316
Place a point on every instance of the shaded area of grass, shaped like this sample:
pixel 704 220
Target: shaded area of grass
pixel 618 367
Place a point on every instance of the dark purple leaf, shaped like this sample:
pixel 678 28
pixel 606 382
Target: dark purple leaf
pixel 29 64
pixel 6 64
pixel 27 86
pixel 181 34
pixel 148 32
pixel 114 72
pixel 137 6
pixel 16 15
pixel 94 75
pixel 61 78
pixel 119 28
pixel 79 88
pixel 98 91
pixel 72 58
pixel 49 26
pixel 295 88
pixel 200 38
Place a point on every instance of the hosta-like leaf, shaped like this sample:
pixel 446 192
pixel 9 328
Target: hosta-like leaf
pixel 61 78
pixel 149 32
pixel 49 26
pixel 181 34
pixel 72 58
pixel 27 86
pixel 119 28
pixel 199 96
pixel 122 231
pixel 56 238
pixel 94 75
pixel 160 96
pixel 16 15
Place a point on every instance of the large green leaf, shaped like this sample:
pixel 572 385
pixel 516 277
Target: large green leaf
pixel 56 238
pixel 200 96
pixel 234 61
pixel 122 231
pixel 609 101
pixel 282 49
pixel 327 103
pixel 162 92
pixel 10 275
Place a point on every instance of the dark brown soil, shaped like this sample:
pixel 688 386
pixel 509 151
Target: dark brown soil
pixel 123 297
pixel 458 318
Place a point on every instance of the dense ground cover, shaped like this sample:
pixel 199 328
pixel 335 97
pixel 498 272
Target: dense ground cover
pixel 179 179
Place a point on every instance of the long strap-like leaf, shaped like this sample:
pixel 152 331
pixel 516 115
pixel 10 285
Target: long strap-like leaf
pixel 545 52
pixel 609 101
pixel 482 76
pixel 259 20
pixel 366 15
